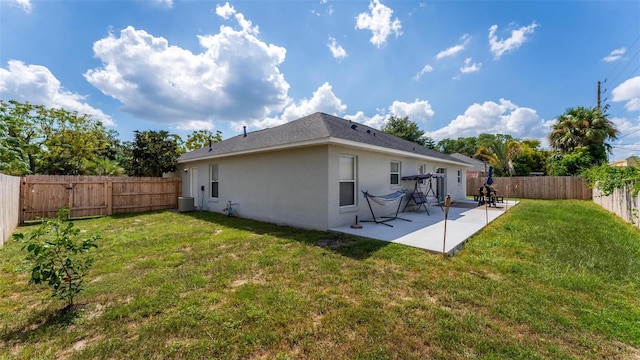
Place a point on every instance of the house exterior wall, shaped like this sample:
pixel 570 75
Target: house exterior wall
pixel 300 187
pixel 373 175
pixel 287 187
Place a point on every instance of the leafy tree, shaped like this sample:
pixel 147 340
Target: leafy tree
pixel 53 141
pixel 201 138
pixel 429 143
pixel 71 140
pixel 500 151
pixel 404 128
pixel 22 132
pixel 570 164
pixel 104 166
pixel 466 146
pixel 583 127
pixel 12 159
pixel 530 158
pixel 153 153
pixel 57 256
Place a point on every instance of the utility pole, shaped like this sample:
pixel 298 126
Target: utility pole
pixel 598 95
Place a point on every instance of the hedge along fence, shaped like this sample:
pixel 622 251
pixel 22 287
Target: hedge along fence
pixel 621 202
pixel 9 205
pixel 536 187
pixel 41 196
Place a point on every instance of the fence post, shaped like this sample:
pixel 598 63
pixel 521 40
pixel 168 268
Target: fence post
pixel 109 196
pixel 23 187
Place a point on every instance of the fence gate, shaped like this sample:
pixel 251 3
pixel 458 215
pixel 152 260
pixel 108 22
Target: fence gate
pixel 42 196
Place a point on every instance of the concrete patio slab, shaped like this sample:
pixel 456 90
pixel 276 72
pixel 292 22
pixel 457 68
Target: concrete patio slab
pixel 427 231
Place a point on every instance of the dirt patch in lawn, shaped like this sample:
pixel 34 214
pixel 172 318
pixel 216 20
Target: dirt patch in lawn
pixel 334 243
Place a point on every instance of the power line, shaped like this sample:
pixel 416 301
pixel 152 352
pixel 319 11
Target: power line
pixel 618 64
pixel 625 135
pixel 616 76
pixel 625 67
pixel 634 148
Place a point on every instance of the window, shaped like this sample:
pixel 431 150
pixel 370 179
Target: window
pixel 347 180
pixel 459 177
pixel 214 180
pixel 422 169
pixel 395 173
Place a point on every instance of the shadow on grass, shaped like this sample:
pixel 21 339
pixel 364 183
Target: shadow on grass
pixel 41 321
pixel 347 245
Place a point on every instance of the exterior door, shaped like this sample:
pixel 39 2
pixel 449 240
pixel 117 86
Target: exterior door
pixel 194 189
pixel 441 184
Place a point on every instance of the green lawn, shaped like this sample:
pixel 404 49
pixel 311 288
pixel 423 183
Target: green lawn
pixel 549 279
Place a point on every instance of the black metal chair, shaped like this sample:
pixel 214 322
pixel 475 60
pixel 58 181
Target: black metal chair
pixel 487 194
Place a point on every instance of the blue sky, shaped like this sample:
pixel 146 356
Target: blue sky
pixel 457 68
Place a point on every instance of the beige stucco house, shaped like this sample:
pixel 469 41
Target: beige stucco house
pixel 311 172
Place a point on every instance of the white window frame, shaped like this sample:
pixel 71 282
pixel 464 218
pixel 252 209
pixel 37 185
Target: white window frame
pixel 214 178
pixel 354 161
pixel 398 172
pixel 459 176
pixel 422 169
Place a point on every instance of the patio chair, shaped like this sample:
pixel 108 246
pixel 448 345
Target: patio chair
pixel 487 194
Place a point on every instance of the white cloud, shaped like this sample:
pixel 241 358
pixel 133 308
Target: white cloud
pixel 377 121
pixel 225 11
pixel 418 111
pixel 37 85
pixel 615 54
pixel 628 143
pixel 25 4
pixel 379 22
pixel 517 38
pixel 503 117
pixel 626 128
pixel 195 125
pixel 166 3
pixel 470 67
pixel 337 51
pixel 426 69
pixel 323 100
pixel 628 91
pixel 235 78
pixel 452 51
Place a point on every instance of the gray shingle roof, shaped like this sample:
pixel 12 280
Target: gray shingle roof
pixel 477 164
pixel 316 126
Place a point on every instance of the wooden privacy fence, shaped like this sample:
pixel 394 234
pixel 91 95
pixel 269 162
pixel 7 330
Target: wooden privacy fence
pixel 41 196
pixel 9 206
pixel 536 187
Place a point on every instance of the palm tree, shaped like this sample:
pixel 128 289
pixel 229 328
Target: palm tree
pixel 104 166
pixel 583 127
pixel 499 152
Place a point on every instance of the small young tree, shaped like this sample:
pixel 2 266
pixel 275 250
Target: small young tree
pixel 58 256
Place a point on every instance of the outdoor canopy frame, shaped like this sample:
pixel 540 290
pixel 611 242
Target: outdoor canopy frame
pixel 417 196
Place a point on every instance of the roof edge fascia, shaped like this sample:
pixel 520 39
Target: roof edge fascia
pixel 383 149
pixel 320 141
pixel 327 141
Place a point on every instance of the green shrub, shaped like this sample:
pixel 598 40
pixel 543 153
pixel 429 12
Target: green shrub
pixel 58 257
pixel 608 178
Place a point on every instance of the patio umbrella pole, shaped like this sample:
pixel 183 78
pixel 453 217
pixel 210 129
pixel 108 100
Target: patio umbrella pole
pixel 486 204
pixel 447 204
